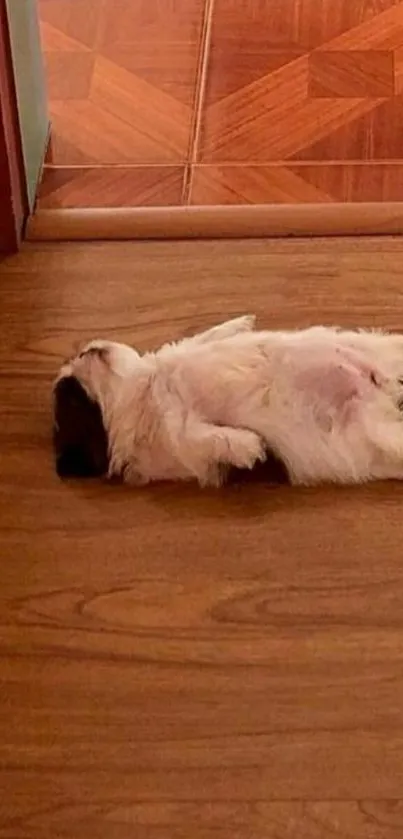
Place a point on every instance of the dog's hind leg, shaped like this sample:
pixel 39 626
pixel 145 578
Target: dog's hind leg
pixel 207 450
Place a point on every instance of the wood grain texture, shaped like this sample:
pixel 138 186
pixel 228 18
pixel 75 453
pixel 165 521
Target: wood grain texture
pixel 318 80
pixel 241 126
pixel 123 186
pixel 353 74
pixel 293 184
pixel 244 82
pixel 374 137
pixel 177 663
pixel 121 78
pixel 122 84
pixel 255 185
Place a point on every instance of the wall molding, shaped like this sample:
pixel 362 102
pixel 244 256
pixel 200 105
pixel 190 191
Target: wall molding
pixel 217 222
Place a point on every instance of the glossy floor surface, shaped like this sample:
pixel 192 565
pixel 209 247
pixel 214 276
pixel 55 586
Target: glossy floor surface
pixel 161 102
pixel 179 664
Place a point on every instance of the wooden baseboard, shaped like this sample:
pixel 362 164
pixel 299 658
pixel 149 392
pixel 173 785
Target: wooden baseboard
pixel 220 222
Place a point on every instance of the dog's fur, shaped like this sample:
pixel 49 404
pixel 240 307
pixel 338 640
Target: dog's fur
pixel 327 403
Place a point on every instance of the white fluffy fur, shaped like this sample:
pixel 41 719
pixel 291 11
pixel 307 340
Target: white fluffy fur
pixel 326 401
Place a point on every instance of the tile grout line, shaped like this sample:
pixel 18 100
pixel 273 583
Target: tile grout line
pixel 100 28
pixel 233 164
pixel 96 166
pixel 200 90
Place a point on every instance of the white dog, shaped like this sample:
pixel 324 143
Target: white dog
pixel 327 402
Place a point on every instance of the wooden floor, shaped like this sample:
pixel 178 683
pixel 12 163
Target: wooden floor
pixel 223 102
pixel 179 664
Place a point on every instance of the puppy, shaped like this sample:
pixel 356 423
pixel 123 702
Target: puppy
pixel 326 402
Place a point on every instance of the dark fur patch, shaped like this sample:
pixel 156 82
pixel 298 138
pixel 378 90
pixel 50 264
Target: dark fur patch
pixel 79 436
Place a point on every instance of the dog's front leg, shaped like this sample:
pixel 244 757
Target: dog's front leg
pixel 228 329
pixel 206 450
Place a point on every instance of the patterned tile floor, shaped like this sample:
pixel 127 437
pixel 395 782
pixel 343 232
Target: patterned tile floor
pixel 167 102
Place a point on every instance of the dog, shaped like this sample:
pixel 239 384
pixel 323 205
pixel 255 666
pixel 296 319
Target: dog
pixel 325 404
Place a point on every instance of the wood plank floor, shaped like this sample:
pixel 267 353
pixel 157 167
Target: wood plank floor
pixel 178 664
pixel 208 102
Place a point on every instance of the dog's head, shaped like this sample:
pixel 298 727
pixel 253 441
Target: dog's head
pixel 83 396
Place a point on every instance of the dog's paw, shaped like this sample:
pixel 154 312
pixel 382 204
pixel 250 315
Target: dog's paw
pixel 133 477
pixel 246 449
pixel 246 323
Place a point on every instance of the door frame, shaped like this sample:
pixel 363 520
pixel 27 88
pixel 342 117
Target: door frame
pixel 13 185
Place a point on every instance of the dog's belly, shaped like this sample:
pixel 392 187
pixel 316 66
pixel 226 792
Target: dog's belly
pixel 323 421
pixel 324 406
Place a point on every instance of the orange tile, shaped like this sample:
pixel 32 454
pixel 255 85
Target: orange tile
pixel 253 60
pixel 274 119
pixel 298 93
pixel 172 70
pixel 111 187
pixel 297 184
pixel 275 116
pixel 60 149
pixel 355 181
pixel 252 185
pixel 75 19
pixel 398 59
pixel 126 21
pixel 124 119
pixel 69 74
pixel 54 40
pixel 376 135
pixel 351 74
pixel 251 38
pixel 305 24
pixel 129 97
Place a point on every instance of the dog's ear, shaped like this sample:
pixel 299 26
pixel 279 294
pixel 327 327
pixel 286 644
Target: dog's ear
pixel 79 436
